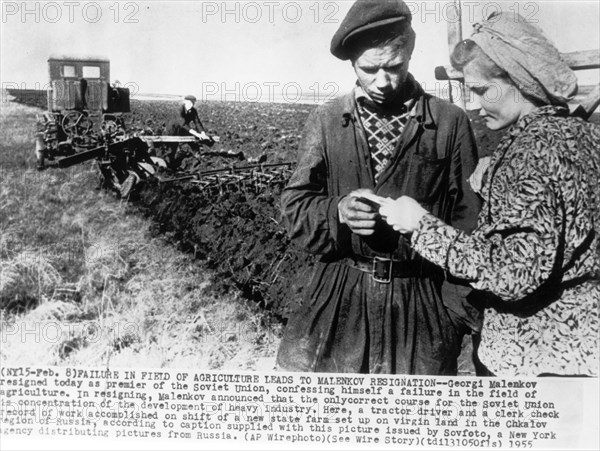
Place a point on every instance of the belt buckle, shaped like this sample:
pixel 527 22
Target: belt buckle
pixel 382 270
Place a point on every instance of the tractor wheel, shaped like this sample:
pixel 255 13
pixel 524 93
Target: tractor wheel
pixel 75 123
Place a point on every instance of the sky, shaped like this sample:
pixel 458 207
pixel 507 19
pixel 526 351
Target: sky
pixel 243 50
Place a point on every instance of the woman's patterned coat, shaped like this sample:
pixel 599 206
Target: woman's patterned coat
pixel 536 248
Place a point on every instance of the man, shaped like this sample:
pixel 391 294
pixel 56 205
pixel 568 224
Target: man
pixel 192 125
pixel 191 121
pixel 373 304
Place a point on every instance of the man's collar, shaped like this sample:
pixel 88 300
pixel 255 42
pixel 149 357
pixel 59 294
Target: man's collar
pixel 420 110
pixel 410 95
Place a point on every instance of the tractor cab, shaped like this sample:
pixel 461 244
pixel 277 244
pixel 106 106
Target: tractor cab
pixel 83 109
pixel 84 84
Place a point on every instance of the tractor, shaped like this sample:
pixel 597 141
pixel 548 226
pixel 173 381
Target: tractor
pixel 83 108
pixel 86 119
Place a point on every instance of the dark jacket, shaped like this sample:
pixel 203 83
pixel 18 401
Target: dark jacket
pixel 191 120
pixel 437 154
pixel 434 158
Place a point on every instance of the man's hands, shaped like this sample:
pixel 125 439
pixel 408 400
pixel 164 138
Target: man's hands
pixel 200 135
pixel 360 217
pixel 403 214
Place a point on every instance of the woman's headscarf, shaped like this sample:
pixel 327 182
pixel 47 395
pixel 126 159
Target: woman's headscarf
pixel 528 56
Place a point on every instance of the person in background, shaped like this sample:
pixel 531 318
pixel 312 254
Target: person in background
pixel 175 153
pixel 374 305
pixel 535 251
pixel 191 121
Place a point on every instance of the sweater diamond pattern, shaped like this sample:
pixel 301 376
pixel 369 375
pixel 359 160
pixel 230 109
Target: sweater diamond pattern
pixel 383 134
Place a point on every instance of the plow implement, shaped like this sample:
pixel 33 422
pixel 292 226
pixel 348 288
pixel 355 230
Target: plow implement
pixel 127 159
pixel 254 177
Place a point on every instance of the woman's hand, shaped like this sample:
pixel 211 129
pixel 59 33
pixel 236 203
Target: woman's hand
pixel 403 214
pixel 476 179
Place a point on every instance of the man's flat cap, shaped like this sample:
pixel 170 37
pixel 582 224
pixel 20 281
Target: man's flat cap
pixel 190 98
pixel 367 15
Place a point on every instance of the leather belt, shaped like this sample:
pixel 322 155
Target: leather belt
pixel 383 270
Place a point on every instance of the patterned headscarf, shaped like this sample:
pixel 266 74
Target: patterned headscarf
pixel 528 56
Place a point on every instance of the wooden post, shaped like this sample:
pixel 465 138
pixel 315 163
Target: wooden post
pixel 454 22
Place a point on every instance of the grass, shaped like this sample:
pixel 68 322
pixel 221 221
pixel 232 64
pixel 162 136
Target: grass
pixel 82 282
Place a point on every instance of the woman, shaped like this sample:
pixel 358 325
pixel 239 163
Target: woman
pixel 535 249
